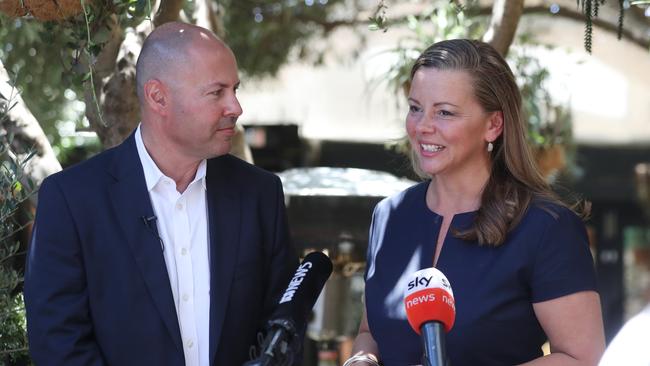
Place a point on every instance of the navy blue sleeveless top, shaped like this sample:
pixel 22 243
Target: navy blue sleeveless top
pixel 546 256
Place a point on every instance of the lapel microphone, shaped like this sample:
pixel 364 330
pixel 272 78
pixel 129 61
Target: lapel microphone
pixel 148 221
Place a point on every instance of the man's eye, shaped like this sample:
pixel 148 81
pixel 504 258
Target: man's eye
pixel 216 92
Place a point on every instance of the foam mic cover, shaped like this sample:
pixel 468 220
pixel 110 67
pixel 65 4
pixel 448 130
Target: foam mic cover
pixel 428 298
pixel 302 292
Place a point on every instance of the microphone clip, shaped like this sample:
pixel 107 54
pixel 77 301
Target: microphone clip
pixel 147 221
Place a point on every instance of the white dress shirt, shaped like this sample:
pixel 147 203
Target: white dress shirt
pixel 181 220
pixel 630 345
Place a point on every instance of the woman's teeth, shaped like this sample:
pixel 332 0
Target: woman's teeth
pixel 431 148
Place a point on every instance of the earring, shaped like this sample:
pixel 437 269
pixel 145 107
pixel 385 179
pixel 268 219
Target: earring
pixel 490 147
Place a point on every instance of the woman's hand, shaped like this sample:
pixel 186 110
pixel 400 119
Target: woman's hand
pixel 364 350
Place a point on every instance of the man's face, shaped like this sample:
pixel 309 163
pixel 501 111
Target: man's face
pixel 203 102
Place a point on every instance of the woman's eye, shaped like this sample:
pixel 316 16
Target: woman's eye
pixel 414 109
pixel 445 113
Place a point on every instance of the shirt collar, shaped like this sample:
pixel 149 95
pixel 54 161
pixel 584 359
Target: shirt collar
pixel 200 173
pixel 152 174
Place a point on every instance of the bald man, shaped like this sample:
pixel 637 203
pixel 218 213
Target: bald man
pixel 164 250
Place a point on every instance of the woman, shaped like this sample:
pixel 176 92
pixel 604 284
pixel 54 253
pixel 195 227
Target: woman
pixel 516 257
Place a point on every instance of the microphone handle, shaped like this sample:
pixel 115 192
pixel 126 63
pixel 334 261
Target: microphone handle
pixel 433 343
pixel 276 349
pixel 269 356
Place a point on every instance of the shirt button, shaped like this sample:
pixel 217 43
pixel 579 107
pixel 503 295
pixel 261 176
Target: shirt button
pixel 186 297
pixel 179 206
pixel 190 343
pixel 183 251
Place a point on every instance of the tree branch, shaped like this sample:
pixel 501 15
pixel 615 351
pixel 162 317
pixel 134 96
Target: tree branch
pixel 114 76
pixel 503 24
pixel 207 15
pixel 168 11
pixel 28 132
pixel 329 26
pixel 564 12
pixel 107 58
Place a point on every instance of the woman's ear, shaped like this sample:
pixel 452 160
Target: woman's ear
pixel 494 127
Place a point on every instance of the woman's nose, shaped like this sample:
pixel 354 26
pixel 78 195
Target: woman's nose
pixel 425 125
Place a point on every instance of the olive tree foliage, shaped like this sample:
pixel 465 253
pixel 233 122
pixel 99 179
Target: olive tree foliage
pixel 23 134
pixel 15 190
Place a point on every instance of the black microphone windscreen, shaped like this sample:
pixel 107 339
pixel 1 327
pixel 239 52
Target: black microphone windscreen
pixel 302 292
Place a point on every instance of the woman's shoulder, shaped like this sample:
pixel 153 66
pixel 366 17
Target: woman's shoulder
pixel 550 211
pixel 549 220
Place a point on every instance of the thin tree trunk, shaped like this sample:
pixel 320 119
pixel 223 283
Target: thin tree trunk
pixel 207 15
pixel 114 88
pixel 503 24
pixel 168 11
pixel 28 136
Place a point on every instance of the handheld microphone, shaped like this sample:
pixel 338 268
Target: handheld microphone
pixel 429 304
pixel 293 310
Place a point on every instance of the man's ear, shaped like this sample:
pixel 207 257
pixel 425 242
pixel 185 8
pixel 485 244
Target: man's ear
pixel 156 96
pixel 494 127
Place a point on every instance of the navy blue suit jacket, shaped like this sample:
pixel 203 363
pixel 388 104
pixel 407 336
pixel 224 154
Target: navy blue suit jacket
pixel 96 286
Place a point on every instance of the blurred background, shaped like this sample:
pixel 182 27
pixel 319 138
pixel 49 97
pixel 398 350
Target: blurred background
pixel 323 85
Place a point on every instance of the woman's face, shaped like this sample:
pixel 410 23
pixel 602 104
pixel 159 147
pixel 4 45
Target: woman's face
pixel 447 127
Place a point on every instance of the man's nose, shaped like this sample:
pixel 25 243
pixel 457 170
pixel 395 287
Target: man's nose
pixel 233 108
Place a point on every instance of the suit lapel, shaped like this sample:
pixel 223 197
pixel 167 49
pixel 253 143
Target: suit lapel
pixel 131 202
pixel 224 202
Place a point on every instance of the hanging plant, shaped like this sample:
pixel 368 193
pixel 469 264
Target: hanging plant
pixel 590 9
pixel 50 10
pixel 13 8
pixel 44 10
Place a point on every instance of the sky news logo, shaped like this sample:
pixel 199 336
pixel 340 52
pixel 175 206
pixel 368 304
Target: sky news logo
pixel 297 279
pixel 425 282
pixel 430 298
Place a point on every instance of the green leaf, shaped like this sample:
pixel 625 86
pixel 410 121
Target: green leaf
pixel 102 35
